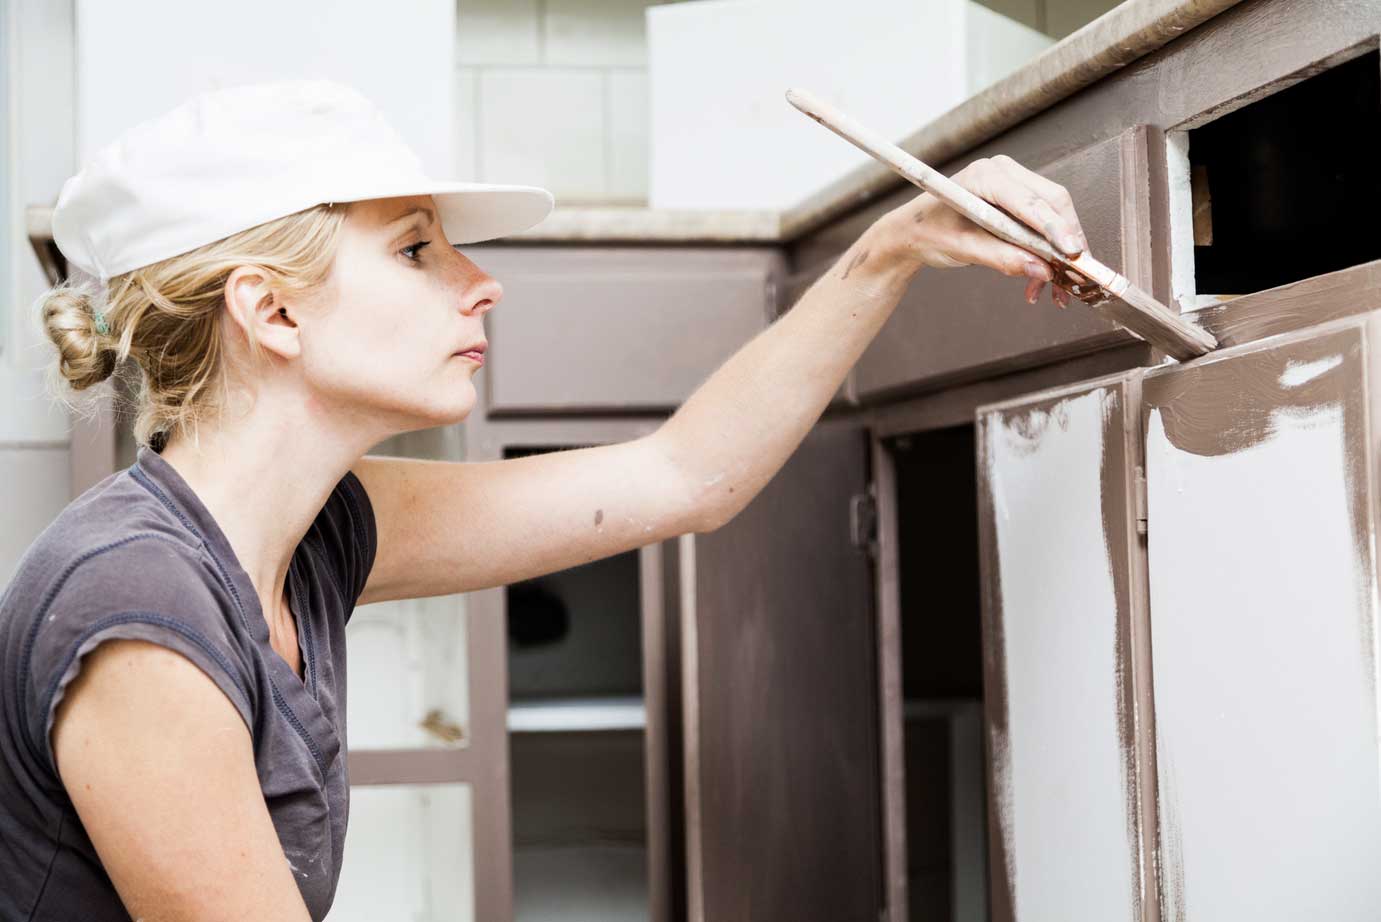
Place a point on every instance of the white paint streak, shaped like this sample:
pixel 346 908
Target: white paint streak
pixel 1177 175
pixel 1065 813
pixel 715 479
pixel 1265 705
pixel 1297 373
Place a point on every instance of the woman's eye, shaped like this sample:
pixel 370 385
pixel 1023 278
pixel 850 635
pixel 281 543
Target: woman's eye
pixel 415 246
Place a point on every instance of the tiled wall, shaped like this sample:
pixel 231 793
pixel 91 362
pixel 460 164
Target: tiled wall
pixel 554 93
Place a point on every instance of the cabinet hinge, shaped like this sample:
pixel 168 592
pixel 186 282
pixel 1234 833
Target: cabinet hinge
pixel 1140 500
pixel 863 520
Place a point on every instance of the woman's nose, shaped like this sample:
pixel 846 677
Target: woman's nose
pixel 489 293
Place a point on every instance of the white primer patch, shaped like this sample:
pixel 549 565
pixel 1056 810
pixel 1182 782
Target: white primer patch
pixel 1297 373
pixel 1063 812
pixel 1265 710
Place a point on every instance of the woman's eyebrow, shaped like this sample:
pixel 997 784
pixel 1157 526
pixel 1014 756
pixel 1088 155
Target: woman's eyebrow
pixel 431 216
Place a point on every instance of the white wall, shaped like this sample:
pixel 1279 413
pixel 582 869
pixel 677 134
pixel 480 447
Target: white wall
pixel 34 456
pixel 138 58
pixel 554 92
pixel 722 134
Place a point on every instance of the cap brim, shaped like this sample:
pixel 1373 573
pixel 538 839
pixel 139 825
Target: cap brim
pixel 472 211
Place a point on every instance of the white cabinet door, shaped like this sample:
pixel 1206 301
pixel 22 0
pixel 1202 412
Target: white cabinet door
pixel 1259 468
pixel 1064 636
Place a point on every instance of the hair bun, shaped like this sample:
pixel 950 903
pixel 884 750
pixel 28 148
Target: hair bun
pixel 69 319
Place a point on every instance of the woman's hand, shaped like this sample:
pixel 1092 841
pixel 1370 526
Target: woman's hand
pixel 926 231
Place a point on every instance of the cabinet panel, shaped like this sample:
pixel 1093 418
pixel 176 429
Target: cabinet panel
pixel 782 798
pixel 1064 644
pixel 957 324
pixel 605 328
pixel 1263 606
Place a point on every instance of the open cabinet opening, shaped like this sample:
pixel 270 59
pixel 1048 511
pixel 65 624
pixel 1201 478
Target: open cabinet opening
pixel 577 742
pixel 942 673
pixel 1281 188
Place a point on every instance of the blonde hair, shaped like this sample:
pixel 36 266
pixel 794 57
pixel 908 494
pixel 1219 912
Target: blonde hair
pixel 167 319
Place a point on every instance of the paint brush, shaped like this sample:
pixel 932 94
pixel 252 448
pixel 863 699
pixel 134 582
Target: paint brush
pixel 1106 290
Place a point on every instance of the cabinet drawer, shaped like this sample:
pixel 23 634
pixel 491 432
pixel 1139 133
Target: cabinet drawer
pixel 957 324
pixel 604 328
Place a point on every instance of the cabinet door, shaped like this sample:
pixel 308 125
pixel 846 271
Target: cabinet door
pixel 1262 532
pixel 1064 640
pixel 618 328
pixel 779 692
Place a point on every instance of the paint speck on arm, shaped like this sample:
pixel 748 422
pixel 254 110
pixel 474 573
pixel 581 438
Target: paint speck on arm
pixel 854 263
pixel 599 516
pixel 715 479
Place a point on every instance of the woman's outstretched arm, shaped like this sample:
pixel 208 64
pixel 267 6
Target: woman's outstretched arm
pixel 738 429
pixel 447 527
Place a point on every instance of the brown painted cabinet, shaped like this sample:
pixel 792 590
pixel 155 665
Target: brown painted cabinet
pixel 971 322
pixel 1033 625
pixel 635 329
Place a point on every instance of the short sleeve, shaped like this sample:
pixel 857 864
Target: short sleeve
pixel 145 587
pixel 347 534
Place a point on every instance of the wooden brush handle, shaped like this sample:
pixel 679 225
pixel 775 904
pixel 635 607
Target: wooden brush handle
pixel 980 212
pixel 1135 309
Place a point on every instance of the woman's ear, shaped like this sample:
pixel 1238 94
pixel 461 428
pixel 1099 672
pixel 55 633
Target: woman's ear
pixel 253 305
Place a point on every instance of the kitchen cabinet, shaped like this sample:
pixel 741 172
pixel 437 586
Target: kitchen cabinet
pixel 582 329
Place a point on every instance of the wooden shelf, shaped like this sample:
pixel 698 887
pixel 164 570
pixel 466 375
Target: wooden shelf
pixel 564 715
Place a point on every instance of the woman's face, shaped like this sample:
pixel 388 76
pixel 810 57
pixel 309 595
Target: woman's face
pixel 400 304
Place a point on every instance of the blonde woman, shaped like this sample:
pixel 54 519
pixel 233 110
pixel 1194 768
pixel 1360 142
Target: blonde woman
pixel 283 274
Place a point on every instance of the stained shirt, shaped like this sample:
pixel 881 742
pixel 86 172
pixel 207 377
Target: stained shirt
pixel 138 555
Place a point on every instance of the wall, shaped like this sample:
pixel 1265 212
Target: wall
pixel 724 136
pixel 38 112
pixel 554 93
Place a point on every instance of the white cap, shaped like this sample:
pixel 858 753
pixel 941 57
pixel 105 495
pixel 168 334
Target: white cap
pixel 227 160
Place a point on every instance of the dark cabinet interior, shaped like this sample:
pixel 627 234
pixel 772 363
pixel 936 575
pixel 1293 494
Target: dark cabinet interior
pixel 1313 147
pixel 942 673
pixel 576 742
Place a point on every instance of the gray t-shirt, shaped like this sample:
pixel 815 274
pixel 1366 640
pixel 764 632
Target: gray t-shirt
pixel 139 556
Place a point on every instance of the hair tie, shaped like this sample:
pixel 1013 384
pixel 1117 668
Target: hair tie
pixel 101 326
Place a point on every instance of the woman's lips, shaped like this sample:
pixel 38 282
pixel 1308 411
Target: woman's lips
pixel 476 357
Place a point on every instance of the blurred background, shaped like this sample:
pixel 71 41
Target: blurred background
pixel 610 104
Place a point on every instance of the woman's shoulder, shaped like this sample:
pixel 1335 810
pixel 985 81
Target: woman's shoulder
pixel 115 563
pixel 114 546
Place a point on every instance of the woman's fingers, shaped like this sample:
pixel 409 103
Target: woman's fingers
pixel 1035 200
pixel 968 244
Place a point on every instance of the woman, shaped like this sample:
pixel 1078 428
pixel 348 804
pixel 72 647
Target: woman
pixel 284 276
